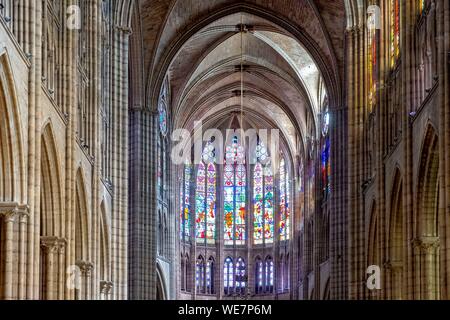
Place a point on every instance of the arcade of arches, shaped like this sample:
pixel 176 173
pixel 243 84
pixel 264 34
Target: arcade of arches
pixel 354 172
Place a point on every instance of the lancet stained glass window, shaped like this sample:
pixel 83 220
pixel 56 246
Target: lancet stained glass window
pixel 269 275
pixel 200 275
pixel 263 195
pixel 240 276
pixel 259 276
pixel 162 109
pixel 185 202
pixel 205 199
pixel 372 64
pixel 210 276
pixel 228 276
pixel 395 30
pixel 235 182
pixel 421 4
pixel 285 210
pixel 325 156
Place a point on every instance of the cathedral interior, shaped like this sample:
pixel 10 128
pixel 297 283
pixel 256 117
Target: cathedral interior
pixel 224 150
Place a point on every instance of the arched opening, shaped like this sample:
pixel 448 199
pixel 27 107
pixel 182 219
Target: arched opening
pixel 52 245
pixel 397 243
pixel 373 251
pixel 326 291
pixel 210 276
pixel 81 237
pixel 104 264
pixel 427 242
pixel 11 161
pixel 161 290
pixel 11 165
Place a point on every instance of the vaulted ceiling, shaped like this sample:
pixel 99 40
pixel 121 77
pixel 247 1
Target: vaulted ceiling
pixel 279 53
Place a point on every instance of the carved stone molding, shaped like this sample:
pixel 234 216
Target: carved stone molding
pixel 11 211
pixel 393 266
pixel 426 245
pixel 85 267
pixel 106 287
pixel 50 244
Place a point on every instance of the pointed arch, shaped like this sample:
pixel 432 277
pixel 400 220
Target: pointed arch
pixel 259 275
pixel 51 195
pixel 396 238
pixel 52 219
pixel 210 278
pixel 373 243
pixel 326 291
pixel 104 244
pixel 161 287
pixel 81 219
pixel 427 223
pixel 373 248
pixel 12 181
pixel 200 267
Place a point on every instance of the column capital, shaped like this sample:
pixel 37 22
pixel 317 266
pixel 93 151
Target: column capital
pixel 85 267
pixel 50 244
pixel 124 29
pixel 12 210
pixel 393 266
pixel 426 244
pixel 62 245
pixel 106 286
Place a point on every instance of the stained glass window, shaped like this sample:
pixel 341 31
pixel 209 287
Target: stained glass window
pixel 185 215
pixel 240 276
pixel 421 6
pixel 372 72
pixel 211 205
pixel 200 275
pixel 162 119
pixel 395 30
pixel 311 187
pixel 259 276
pixel 258 195
pixel 269 275
pixel 301 176
pixel 205 199
pixel 263 195
pixel 235 182
pixel 228 276
pixel 325 155
pixel 210 276
pixel 285 210
pixel 326 167
pixel 268 206
pixel 200 204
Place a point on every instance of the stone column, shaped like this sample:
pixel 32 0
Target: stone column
pixel 394 274
pixel 426 257
pixel 88 276
pixel 22 253
pixel 50 247
pixel 430 267
pixel 61 268
pixel 9 218
pixel 12 213
pixel 86 283
pixel 105 290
